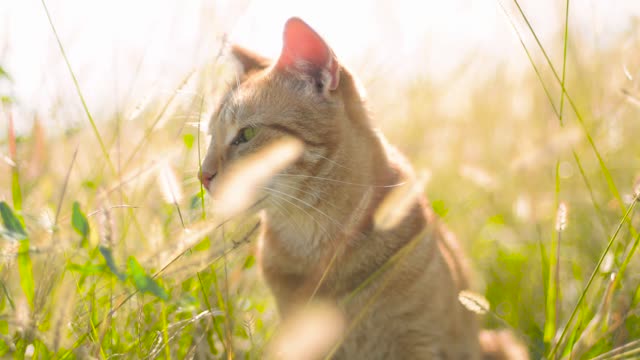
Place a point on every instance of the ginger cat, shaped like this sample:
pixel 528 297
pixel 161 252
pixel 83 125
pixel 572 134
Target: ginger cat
pixel 398 286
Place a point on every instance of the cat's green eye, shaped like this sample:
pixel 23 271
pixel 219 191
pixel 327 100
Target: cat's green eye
pixel 244 135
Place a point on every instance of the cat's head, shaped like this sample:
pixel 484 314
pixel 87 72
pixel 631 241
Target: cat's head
pixel 305 95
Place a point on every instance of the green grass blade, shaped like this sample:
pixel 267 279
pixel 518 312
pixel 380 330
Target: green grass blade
pixel 629 256
pixel 142 281
pixel 530 58
pixel 592 195
pixel 222 305
pixel 13 227
pixel 15 189
pixel 202 193
pixel 7 296
pixel 16 231
pixel 111 263
pixel 603 168
pixel 564 61
pixel 103 148
pixel 552 306
pixel 591 278
pixel 96 133
pixel 79 221
pixel 165 331
pixel 25 269
pixel 16 192
pixel 216 325
pixel 552 285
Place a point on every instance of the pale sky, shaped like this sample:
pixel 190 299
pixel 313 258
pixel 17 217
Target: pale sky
pixel 109 42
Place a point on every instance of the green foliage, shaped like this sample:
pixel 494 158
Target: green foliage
pixel 13 228
pixel 4 74
pixel 188 140
pixel 439 208
pixel 79 221
pixel 249 262
pixel 142 281
pixel 111 264
pixel 5 99
pixel 25 269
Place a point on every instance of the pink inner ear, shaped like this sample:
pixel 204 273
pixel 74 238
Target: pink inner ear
pixel 303 45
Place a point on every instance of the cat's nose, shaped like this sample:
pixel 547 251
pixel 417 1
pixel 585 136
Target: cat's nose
pixel 205 178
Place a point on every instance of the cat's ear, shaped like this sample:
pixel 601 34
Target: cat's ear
pixel 304 51
pixel 249 60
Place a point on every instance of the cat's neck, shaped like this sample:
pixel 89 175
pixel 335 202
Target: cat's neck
pixel 328 249
pixel 337 204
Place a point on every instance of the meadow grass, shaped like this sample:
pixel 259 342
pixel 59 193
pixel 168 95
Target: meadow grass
pixel 109 248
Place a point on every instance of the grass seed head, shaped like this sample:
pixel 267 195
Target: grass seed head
pixel 561 217
pixel 474 302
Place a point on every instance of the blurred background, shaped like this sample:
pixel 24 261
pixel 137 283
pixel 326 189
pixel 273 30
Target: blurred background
pixel 123 50
pixel 461 87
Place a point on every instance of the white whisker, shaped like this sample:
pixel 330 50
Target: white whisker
pixel 275 193
pixel 286 214
pixel 342 182
pixel 341 226
pixel 312 194
pixel 316 153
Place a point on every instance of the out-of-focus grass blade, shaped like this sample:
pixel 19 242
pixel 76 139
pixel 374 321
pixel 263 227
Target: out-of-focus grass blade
pixel 96 132
pixel 249 262
pixel 240 184
pixel 169 184
pixel 440 208
pixel 16 193
pixel 26 271
pixel 551 315
pixel 79 221
pixel 6 99
pixel 15 189
pixel 142 281
pixel 88 269
pixel 188 140
pixel 108 257
pixel 13 228
pixel 398 203
pixel 4 74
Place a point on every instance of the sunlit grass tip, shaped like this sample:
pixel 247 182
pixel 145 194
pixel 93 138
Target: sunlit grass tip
pixel 169 186
pixel 474 302
pixel 561 217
